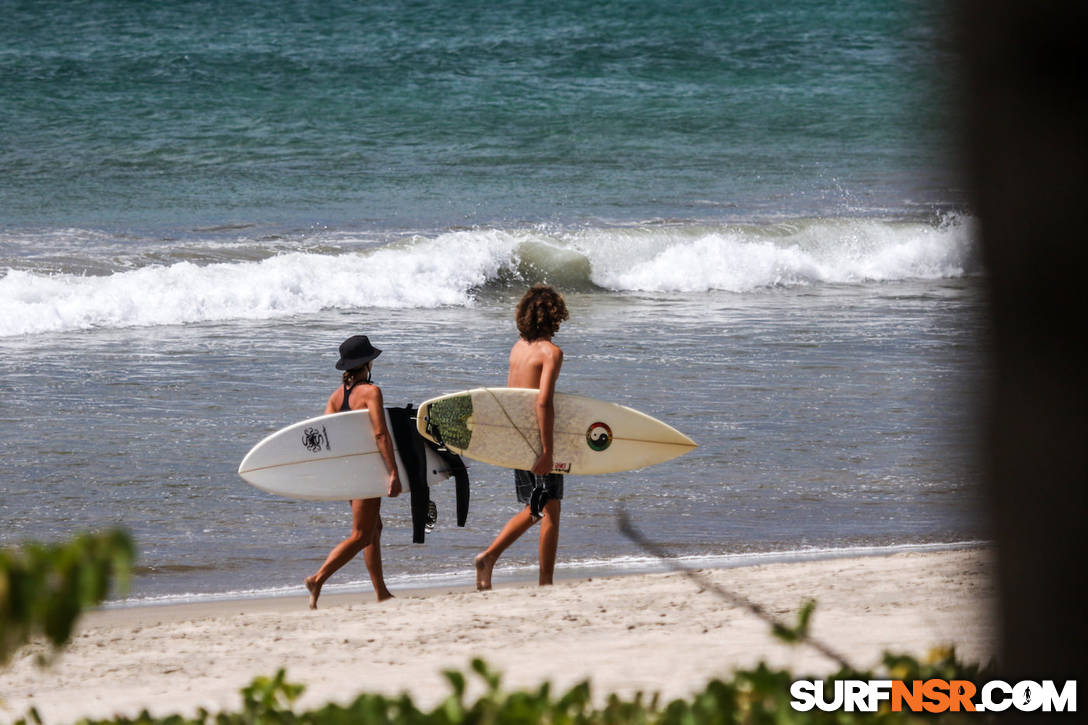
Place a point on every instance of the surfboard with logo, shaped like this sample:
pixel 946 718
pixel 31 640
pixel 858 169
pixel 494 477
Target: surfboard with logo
pixel 329 458
pixel 499 426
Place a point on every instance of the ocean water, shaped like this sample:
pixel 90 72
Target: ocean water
pixel 751 208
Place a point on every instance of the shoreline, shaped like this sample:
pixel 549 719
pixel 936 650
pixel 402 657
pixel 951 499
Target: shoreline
pixel 573 570
pixel 644 632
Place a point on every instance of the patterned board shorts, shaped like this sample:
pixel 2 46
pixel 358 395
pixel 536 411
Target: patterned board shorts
pixel 526 481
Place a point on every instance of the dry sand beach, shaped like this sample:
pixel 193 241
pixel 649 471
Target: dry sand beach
pixel 657 633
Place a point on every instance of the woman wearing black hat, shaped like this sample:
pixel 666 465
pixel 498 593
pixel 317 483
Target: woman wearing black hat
pixel 359 393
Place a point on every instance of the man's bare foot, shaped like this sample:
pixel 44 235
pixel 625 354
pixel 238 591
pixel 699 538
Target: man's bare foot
pixel 315 590
pixel 484 565
pixel 385 596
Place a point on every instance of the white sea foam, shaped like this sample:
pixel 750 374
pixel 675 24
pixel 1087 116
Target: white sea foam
pixel 428 273
pixel 741 259
pixel 450 269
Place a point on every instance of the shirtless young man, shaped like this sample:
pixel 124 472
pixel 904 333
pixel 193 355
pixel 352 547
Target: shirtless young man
pixel 534 363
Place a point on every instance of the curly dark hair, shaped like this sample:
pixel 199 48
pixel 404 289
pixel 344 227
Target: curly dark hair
pixel 540 311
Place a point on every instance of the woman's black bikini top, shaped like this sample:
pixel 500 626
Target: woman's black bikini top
pixel 344 406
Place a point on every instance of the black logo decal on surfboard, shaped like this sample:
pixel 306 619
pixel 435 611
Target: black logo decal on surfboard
pixel 599 436
pixel 314 439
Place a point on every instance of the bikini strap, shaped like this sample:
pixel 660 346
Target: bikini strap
pixel 345 406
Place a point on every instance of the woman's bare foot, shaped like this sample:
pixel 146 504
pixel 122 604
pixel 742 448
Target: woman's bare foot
pixel 315 590
pixel 484 565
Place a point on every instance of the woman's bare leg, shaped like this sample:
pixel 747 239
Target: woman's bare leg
pixel 485 561
pixel 372 555
pixel 549 540
pixel 364 517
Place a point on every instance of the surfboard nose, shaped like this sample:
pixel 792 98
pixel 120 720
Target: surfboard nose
pixel 675 437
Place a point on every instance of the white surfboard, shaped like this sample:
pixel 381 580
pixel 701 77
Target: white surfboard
pixel 498 426
pixel 328 458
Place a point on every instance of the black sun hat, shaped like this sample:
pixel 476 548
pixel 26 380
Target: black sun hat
pixel 355 352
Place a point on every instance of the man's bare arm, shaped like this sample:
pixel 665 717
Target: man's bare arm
pixel 545 410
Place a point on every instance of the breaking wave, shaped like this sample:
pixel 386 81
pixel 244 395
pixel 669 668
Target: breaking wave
pixel 454 268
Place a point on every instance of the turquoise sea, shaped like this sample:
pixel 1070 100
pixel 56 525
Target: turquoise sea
pixel 752 208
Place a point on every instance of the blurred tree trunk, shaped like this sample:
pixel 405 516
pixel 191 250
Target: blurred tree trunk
pixel 1026 154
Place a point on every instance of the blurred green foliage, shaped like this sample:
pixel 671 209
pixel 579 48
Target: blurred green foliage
pixel 45 587
pixel 757 696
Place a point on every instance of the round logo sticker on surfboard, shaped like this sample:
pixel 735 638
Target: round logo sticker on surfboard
pixel 599 436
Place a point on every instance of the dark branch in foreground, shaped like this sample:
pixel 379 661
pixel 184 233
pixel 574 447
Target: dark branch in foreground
pixel 628 529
